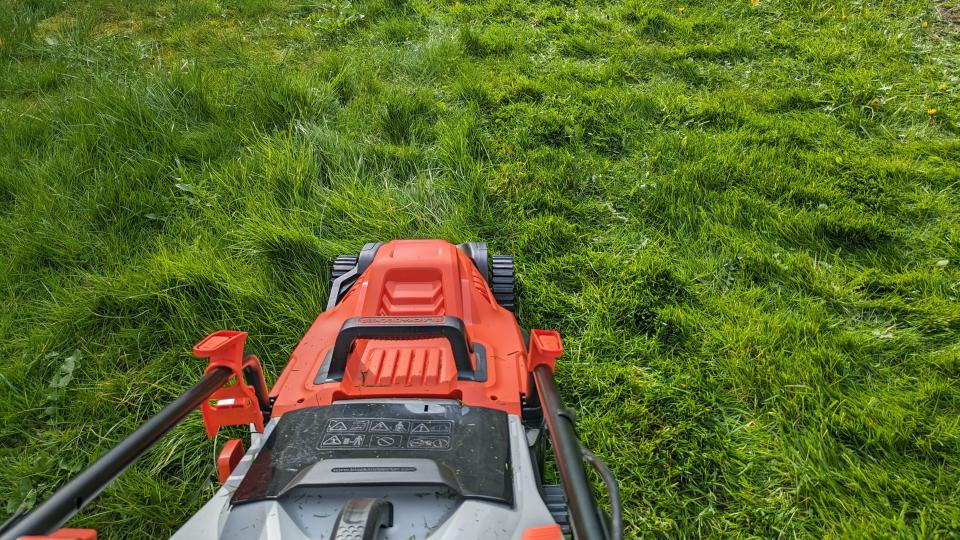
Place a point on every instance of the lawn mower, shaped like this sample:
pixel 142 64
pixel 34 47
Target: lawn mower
pixel 415 407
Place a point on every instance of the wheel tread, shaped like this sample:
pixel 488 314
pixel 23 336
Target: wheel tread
pixel 503 281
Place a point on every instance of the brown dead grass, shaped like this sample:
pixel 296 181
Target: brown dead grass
pixel 51 26
pixel 949 11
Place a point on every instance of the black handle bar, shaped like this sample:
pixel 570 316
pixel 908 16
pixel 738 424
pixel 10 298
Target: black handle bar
pixel 585 516
pixel 451 328
pixel 73 496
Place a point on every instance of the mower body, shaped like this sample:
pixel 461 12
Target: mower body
pixel 407 411
pixel 414 408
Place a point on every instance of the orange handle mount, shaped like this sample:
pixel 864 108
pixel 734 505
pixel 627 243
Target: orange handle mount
pixel 235 403
pixel 545 347
pixel 230 456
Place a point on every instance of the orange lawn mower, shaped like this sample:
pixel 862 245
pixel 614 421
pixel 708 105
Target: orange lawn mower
pixel 415 407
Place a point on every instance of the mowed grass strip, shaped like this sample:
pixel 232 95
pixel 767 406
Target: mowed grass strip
pixel 742 216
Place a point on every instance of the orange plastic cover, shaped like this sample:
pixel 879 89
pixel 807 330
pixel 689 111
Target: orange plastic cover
pixel 410 278
pixel 66 534
pixel 230 456
pixel 547 532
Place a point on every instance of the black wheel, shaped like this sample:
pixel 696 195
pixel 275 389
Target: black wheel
pixel 341 265
pixel 503 281
pixel 345 264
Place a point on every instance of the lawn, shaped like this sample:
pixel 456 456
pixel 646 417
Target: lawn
pixel 744 218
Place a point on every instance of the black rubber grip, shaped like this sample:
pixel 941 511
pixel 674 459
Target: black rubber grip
pixel 451 328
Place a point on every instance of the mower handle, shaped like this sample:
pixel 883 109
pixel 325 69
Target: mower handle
pixel 451 328
pixel 75 494
pixel 586 518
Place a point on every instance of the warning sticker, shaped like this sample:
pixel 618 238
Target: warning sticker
pixel 385 433
pixel 432 426
pixel 428 443
pixel 387 441
pixel 347 424
pixel 346 440
pixel 390 426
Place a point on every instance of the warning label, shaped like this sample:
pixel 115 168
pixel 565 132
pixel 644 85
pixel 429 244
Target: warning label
pixel 349 441
pixel 338 424
pixel 387 441
pixel 432 426
pixel 428 443
pixel 383 433
pixel 390 426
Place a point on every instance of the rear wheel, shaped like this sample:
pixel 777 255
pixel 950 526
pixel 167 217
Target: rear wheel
pixel 503 281
pixel 341 265
pixel 351 266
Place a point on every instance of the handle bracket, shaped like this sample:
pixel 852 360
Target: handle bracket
pixel 232 404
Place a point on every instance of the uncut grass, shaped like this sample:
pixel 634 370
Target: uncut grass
pixel 743 218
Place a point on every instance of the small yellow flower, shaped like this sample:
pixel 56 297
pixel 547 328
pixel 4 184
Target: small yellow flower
pixel 680 9
pixel 755 2
pixel 942 87
pixel 875 102
pixel 932 111
pixel 924 24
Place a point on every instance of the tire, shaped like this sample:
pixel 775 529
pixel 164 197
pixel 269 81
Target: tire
pixel 341 265
pixel 346 264
pixel 503 281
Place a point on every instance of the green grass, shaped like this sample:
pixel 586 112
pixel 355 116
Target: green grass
pixel 744 219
